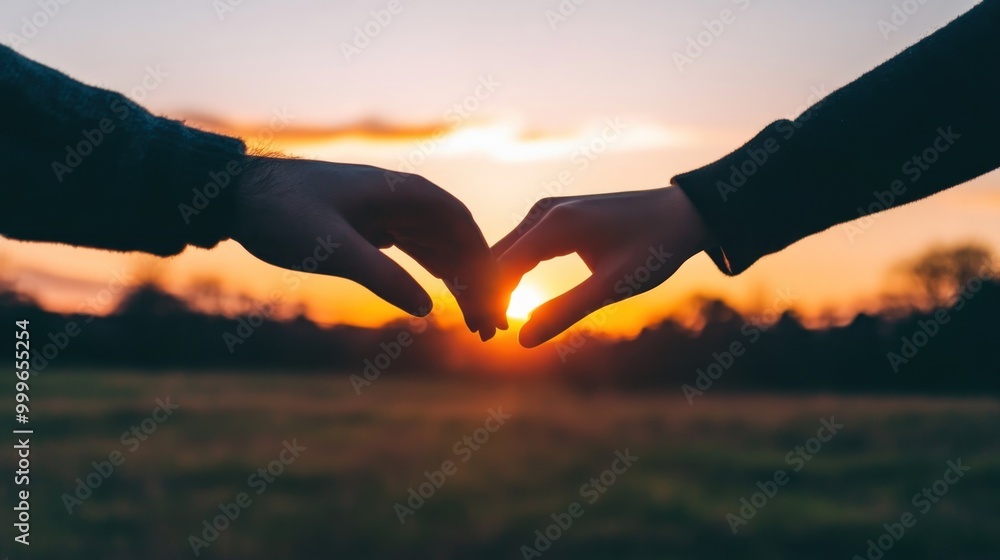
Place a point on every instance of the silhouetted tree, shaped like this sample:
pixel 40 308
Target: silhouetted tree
pixel 940 273
pixel 948 349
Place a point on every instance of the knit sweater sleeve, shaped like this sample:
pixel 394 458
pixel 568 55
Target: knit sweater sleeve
pixel 924 121
pixel 87 166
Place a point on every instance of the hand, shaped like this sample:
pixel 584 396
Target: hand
pixel 333 218
pixel 632 242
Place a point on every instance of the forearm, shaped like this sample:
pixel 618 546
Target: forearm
pixel 87 166
pixel 920 123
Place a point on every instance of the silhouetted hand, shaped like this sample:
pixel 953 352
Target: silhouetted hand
pixel 631 242
pixel 332 219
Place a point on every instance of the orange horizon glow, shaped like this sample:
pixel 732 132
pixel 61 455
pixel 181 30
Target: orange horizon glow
pixel 523 301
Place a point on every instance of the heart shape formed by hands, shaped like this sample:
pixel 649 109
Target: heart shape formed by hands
pixel 337 217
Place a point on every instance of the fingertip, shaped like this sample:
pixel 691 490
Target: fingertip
pixel 397 283
pixel 529 343
pixel 530 336
pixel 366 265
pixel 472 322
pixel 421 306
pixel 487 333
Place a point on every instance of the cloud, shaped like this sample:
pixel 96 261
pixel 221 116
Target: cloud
pixel 506 140
pixel 366 129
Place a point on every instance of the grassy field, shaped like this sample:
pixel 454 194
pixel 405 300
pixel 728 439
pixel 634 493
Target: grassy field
pixel 362 454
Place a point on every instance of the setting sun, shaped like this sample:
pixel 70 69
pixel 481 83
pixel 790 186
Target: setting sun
pixel 523 301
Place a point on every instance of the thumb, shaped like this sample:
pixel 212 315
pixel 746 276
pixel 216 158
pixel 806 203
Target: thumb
pixel 564 311
pixel 365 264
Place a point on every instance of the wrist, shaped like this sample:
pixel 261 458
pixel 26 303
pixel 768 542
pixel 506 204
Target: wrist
pixel 687 215
pixel 250 188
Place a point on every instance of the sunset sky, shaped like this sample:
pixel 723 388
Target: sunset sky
pixel 523 94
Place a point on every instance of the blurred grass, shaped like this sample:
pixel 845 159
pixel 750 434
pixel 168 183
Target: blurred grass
pixel 364 452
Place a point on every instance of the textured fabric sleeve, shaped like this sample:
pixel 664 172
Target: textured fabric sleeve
pixel 922 122
pixel 86 166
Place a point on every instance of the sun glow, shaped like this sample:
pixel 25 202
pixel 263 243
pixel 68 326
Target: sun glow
pixel 523 301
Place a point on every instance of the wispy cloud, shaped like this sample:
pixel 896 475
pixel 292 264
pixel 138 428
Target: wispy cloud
pixel 367 129
pixel 504 140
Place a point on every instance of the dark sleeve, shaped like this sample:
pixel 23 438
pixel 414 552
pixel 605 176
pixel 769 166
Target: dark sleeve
pixel 920 123
pixel 86 166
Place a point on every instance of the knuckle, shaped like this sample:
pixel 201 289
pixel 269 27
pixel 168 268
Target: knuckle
pixel 428 188
pixel 460 210
pixel 543 205
pixel 406 182
pixel 562 212
pixel 413 181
